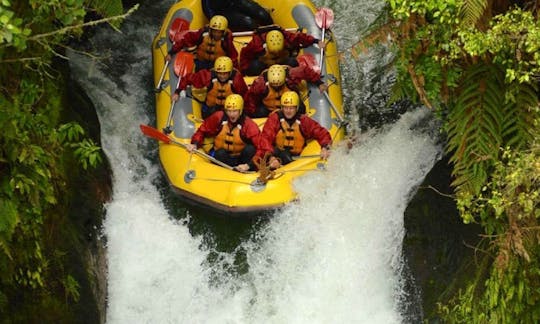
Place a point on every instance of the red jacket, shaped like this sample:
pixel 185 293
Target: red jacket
pixel 211 126
pixel 256 48
pixel 203 78
pixel 259 87
pixel 194 38
pixel 310 129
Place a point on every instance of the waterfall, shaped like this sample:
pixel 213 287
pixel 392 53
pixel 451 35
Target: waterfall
pixel 332 257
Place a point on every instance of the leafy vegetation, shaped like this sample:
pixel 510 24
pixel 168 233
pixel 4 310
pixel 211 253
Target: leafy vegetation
pixel 476 63
pixel 36 147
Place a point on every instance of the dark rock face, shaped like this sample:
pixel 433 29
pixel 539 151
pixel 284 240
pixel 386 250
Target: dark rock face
pixel 436 246
pixel 88 192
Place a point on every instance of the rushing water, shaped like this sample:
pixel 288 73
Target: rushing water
pixel 334 257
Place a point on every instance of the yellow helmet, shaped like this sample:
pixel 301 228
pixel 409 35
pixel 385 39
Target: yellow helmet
pixel 274 41
pixel 234 102
pixel 218 22
pixel 276 75
pixel 223 64
pixel 290 98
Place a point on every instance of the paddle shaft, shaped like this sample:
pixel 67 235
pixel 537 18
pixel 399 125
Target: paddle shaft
pixel 154 133
pixel 321 58
pixel 336 111
pixel 171 110
pixel 251 32
pixel 206 156
pixel 158 87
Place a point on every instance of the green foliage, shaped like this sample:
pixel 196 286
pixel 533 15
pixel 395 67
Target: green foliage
pixel 477 63
pixel 508 207
pixel 70 132
pixel 472 11
pixel 34 27
pixel 87 153
pixel 512 42
pixel 69 12
pixel 71 288
pixel 11 30
pixel 508 296
pixel 512 192
pixel 35 147
pixel 424 71
pixel 9 220
pixel 19 22
pixel 441 10
pixel 32 180
pixel 474 127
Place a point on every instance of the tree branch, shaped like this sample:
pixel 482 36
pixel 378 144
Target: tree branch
pixel 90 23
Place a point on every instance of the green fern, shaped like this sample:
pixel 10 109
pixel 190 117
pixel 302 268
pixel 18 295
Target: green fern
pixel 520 115
pixel 472 11
pixel 475 126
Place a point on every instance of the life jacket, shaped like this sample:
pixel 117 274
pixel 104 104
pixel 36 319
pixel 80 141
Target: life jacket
pixel 209 49
pixel 229 139
pixel 218 91
pixel 272 99
pixel 274 58
pixel 290 137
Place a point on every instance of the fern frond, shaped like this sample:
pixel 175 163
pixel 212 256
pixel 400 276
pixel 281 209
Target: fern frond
pixel 520 116
pixel 474 127
pixel 472 11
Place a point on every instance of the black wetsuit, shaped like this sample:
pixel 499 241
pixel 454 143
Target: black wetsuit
pixel 241 14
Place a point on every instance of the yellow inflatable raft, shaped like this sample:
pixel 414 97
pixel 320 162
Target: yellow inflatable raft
pixel 198 177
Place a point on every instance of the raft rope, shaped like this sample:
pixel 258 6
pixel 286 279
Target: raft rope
pixel 262 179
pixel 265 173
pixel 263 164
pixel 221 180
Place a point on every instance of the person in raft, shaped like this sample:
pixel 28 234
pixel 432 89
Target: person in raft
pixel 212 41
pixel 211 87
pixel 236 136
pixel 286 133
pixel 263 97
pixel 277 46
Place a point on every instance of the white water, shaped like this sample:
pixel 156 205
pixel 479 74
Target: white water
pixel 333 258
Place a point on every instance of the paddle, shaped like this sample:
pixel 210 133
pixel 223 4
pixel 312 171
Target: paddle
pixel 261 29
pixel 183 64
pixel 154 133
pixel 324 18
pixel 178 25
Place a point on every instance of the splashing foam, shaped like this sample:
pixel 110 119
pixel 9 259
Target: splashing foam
pixel 336 255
